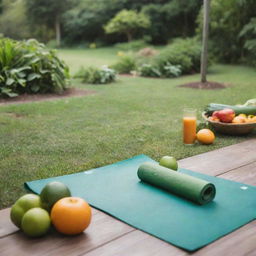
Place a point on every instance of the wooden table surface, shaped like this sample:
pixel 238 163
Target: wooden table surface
pixel 107 236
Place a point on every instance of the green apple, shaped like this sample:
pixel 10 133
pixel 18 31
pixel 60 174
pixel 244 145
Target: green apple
pixel 36 222
pixel 169 162
pixel 22 205
pixel 53 192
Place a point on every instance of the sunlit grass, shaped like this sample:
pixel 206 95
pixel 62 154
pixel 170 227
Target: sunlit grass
pixel 132 116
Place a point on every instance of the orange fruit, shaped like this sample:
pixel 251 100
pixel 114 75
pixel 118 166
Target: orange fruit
pixel 71 215
pixel 214 119
pixel 205 136
pixel 242 115
pixel 239 119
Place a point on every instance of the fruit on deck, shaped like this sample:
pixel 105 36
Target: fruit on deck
pixel 71 215
pixel 36 222
pixel 22 205
pixel 52 192
pixel 169 162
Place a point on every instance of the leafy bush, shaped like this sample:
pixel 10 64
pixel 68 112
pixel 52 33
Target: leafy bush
pixel 29 67
pixel 183 52
pixel 128 22
pixel 93 75
pixel 125 65
pixel 147 52
pixel 131 46
pixel 169 70
pixel 249 33
pixel 172 70
pixel 149 70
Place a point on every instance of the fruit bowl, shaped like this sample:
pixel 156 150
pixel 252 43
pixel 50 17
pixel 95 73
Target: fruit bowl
pixel 230 128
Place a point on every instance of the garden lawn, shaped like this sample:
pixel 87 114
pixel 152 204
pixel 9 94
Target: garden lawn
pixel 76 58
pixel 130 117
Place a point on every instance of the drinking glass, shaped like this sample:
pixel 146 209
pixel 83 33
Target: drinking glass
pixel 189 126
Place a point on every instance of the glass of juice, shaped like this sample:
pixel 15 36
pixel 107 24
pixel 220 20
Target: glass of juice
pixel 189 126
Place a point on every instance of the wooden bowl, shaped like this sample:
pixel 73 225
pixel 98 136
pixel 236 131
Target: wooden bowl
pixel 230 128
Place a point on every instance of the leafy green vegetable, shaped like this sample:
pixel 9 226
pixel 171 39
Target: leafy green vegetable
pixel 29 67
pixel 251 102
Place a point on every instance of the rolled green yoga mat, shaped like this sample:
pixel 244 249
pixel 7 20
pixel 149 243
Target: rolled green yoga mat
pixel 194 189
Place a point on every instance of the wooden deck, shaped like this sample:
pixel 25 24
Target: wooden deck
pixel 107 236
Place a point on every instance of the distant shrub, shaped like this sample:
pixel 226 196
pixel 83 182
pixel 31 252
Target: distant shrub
pixel 172 70
pixel 183 52
pixel 147 52
pixel 131 46
pixel 92 46
pixel 169 71
pixel 93 75
pixel 29 67
pixel 149 70
pixel 125 65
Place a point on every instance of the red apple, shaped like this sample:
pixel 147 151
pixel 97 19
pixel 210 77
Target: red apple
pixel 215 114
pixel 226 115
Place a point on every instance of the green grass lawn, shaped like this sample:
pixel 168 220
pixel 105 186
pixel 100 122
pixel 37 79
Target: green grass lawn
pixel 132 116
pixel 75 58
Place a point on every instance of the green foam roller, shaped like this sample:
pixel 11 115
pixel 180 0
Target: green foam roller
pixel 183 185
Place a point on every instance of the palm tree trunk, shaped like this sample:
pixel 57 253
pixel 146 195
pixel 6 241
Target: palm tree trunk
pixel 129 36
pixel 58 31
pixel 204 55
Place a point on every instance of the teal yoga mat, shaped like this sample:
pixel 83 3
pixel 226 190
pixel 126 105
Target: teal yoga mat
pixel 117 190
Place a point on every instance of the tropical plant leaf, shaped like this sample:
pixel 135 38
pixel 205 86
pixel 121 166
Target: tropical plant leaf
pixel 10 81
pixel 33 76
pixel 28 66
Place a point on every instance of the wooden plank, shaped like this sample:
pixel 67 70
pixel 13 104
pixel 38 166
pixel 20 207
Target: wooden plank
pixel 6 226
pixel 137 243
pixel 237 243
pixel 222 160
pixel 242 241
pixel 102 230
pixel 245 174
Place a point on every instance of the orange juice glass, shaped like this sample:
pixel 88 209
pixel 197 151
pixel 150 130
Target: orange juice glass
pixel 189 126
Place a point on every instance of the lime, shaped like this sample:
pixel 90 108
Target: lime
pixel 22 205
pixel 169 162
pixel 36 222
pixel 52 192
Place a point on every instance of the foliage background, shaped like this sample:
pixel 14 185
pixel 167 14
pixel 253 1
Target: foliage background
pixel 81 22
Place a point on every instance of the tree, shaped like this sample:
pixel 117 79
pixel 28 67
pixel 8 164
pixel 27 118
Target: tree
pixel 13 18
pixel 49 13
pixel 205 41
pixel 179 14
pixel 1 6
pixel 127 22
pixel 227 20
